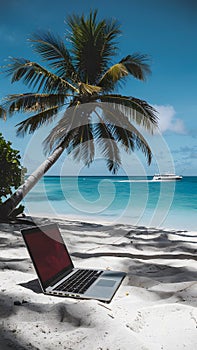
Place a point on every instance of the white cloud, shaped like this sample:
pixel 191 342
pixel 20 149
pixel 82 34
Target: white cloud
pixel 168 120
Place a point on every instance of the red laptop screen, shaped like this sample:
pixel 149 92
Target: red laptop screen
pixel 47 251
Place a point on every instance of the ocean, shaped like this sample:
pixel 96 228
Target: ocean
pixel 127 200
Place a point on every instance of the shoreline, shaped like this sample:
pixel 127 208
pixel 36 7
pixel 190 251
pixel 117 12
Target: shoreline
pixel 160 205
pixel 100 220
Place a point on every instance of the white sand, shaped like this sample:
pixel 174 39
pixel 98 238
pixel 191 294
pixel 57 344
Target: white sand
pixel 154 308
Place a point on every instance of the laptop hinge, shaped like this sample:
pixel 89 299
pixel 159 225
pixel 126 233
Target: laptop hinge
pixel 60 277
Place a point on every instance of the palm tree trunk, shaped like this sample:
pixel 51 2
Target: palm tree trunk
pixel 11 203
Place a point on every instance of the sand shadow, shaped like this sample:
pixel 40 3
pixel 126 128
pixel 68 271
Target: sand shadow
pixel 33 285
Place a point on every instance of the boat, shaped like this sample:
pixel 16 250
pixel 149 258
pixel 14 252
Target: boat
pixel 166 177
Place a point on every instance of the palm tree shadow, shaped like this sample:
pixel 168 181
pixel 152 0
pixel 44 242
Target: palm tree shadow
pixel 9 341
pixel 151 265
pixel 8 335
pixel 155 273
pixel 162 281
pixel 13 312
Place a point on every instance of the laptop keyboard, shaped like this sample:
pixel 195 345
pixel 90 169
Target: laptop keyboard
pixel 80 281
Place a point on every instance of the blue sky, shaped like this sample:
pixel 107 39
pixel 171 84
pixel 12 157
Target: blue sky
pixel 165 30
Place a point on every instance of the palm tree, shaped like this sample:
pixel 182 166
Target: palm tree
pixel 82 80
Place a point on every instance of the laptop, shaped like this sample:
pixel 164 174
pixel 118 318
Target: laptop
pixel 56 272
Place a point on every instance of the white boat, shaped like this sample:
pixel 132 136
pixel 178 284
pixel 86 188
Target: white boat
pixel 166 177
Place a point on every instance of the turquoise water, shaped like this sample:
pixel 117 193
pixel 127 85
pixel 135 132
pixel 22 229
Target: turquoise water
pixel 137 201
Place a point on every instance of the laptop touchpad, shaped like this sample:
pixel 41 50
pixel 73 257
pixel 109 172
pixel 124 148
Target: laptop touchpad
pixel 106 283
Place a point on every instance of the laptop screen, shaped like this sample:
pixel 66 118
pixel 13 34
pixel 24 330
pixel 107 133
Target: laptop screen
pixel 48 252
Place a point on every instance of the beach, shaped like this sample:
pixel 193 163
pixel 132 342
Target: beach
pixel 154 308
pixel 98 136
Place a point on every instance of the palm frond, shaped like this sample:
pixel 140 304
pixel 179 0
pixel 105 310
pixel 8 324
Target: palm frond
pixel 31 124
pixel 132 64
pixel 74 131
pixel 120 127
pixel 134 109
pixel 73 118
pixel 137 65
pixel 107 146
pixel 34 75
pixel 81 147
pixel 110 47
pixel 124 137
pixel 112 75
pixel 93 44
pixel 30 102
pixel 125 133
pixel 87 89
pixel 53 50
pixel 67 125
pixel 2 113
